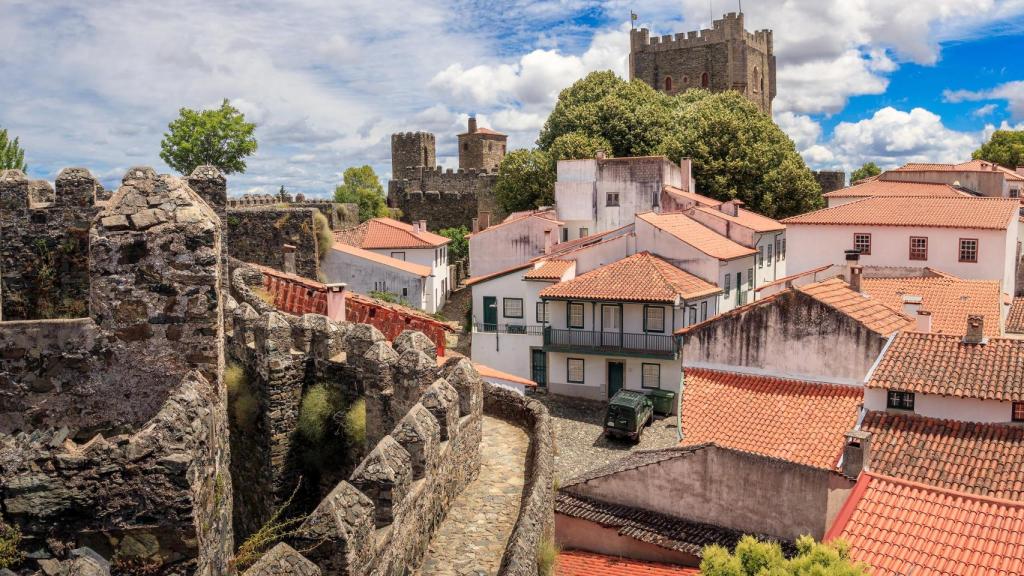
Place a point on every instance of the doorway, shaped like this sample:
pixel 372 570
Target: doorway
pixel 615 375
pixel 539 366
pixel 490 313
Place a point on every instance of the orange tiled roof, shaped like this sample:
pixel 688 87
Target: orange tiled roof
pixel 1015 319
pixel 417 269
pixel 896 188
pixel 870 312
pixel 899 527
pixel 641 277
pixel 697 235
pixel 488 372
pixel 949 299
pixel 971 457
pixel 580 563
pixel 970 166
pixel 944 364
pixel 802 422
pixel 550 270
pixel 383 233
pixel 979 213
pixel 693 196
pixel 484 277
pixel 486 131
pixel 746 218
pixel 548 215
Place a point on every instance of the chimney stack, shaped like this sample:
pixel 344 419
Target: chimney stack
pixel 855 274
pixel 856 453
pixel 600 155
pixel 924 321
pixel 485 220
pixel 975 329
pixel 686 168
pixel 732 207
pixel 476 225
pixel 336 302
pixel 289 258
pixel 911 305
pixel 472 124
pixel 423 225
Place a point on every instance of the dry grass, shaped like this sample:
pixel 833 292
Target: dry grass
pixel 10 546
pixel 355 423
pixel 241 401
pixel 263 294
pixel 324 235
pixel 319 405
pixel 547 556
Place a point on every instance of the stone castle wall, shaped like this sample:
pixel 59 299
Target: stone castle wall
pixel 258 235
pixel 444 198
pixel 830 180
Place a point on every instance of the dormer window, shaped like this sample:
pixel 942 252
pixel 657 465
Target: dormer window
pixel 1017 412
pixel 899 400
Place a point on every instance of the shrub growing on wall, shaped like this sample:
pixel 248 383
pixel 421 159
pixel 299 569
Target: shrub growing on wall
pixel 324 235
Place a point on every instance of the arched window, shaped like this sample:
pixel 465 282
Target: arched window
pixel 668 83
pixel 465 146
pixel 704 80
pixel 757 79
pixel 686 80
pixel 426 157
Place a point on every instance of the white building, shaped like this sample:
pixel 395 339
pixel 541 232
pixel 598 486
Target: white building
pixel 385 255
pixel 979 176
pixel 518 239
pixel 870 188
pixel 974 238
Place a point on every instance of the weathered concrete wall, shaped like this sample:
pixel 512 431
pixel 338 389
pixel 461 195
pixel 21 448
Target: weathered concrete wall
pixel 258 235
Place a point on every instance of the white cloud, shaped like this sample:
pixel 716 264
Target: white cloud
pixel 804 131
pixel 1011 92
pixel 985 110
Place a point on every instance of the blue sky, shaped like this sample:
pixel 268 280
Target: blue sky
pixel 327 81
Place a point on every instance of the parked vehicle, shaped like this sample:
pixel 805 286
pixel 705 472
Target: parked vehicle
pixel 628 412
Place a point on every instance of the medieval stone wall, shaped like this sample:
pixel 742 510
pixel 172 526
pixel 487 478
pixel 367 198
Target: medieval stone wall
pixel 444 198
pixel 830 180
pixel 258 235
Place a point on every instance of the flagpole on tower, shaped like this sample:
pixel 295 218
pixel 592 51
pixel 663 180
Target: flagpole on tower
pixel 632 20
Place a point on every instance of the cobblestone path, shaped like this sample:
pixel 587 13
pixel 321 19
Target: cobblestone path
pixel 472 537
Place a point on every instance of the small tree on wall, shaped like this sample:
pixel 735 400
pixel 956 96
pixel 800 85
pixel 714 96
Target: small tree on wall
pixel 361 186
pixel 12 156
pixel 220 137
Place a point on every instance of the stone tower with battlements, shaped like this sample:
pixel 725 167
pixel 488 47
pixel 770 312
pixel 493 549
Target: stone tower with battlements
pixel 481 148
pixel 724 57
pixel 412 149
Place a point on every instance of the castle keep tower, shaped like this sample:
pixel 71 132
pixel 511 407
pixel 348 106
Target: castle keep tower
pixel 726 57
pixel 412 149
pixel 481 148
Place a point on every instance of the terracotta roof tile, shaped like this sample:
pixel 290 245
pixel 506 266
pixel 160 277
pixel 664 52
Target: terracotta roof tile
pixel 802 422
pixel 499 273
pixel 974 213
pixel 580 563
pixel 746 218
pixel 550 270
pixel 641 277
pixel 692 196
pixel 944 364
pixel 949 299
pixel 976 458
pixel 900 528
pixel 486 131
pixel 870 312
pixel 417 269
pixel 697 235
pixel 896 188
pixel 970 166
pixel 1015 319
pixel 383 233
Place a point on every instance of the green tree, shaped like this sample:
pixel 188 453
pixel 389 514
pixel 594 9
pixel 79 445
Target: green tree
pixel 362 187
pixel 755 558
pixel 737 150
pixel 458 248
pixel 218 137
pixel 12 157
pixel 1005 147
pixel 526 180
pixel 576 145
pixel 866 171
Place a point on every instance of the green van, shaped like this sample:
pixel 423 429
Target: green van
pixel 628 413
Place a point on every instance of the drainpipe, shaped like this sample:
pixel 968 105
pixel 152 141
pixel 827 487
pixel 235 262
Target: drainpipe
pixel 679 402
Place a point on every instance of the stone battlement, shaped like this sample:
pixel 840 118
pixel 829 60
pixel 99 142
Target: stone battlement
pixel 728 28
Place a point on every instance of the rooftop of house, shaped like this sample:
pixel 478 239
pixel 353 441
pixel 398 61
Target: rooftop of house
pixel 793 420
pixel 385 233
pixel 1015 319
pixel 963 213
pixel 946 365
pixel 970 166
pixel 834 293
pixel 692 196
pixel 550 270
pixel 897 188
pixel 949 300
pixel 900 527
pixel 580 563
pixel 970 457
pixel 745 218
pixel 642 277
pixel 697 235
pixel 417 269
pixel 518 217
pixel 493 373
pixel 484 131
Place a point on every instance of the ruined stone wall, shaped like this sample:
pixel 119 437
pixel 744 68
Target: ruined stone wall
pixel 444 198
pixel 45 253
pixel 258 235
pixel 830 180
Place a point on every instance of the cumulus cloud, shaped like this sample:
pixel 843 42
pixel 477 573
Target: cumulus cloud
pixel 1011 92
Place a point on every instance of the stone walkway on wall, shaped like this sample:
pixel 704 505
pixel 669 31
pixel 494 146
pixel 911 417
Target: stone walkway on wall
pixel 472 537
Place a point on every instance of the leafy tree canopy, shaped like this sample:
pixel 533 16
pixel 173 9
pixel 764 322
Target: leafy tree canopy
pixel 362 187
pixel 218 137
pixel 526 180
pixel 755 558
pixel 866 171
pixel 12 156
pixel 1006 147
pixel 737 150
pixel 458 248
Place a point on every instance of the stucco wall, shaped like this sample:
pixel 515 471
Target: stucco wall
pixel 508 245
pixel 985 183
pixel 360 276
pixel 946 407
pixel 595 374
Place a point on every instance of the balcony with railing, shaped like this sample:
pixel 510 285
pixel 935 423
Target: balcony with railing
pixel 532 330
pixel 613 343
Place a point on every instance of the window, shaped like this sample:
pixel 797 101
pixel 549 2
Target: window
pixel 686 80
pixel 565 234
pixel 783 248
pixel 1015 193
pixel 584 232
pixel 650 375
pixel 398 255
pixel 542 312
pixel 968 249
pixel 862 242
pixel 655 198
pixel 380 286
pixel 405 292
pixel 750 278
pixel 918 248
pixel 465 146
pixel 769 258
pixel 512 307
pixel 760 256
pixel 611 318
pixel 704 80
pixel 668 83
pixel 728 285
pixel 757 79
pixel 693 314
pixel 575 313
pixel 574 370
pixel 1017 412
pixel 612 199
pixel 898 400
pixel 654 319
pixel 703 311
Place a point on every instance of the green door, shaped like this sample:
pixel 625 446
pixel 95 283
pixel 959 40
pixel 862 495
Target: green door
pixel 490 313
pixel 614 378
pixel 539 366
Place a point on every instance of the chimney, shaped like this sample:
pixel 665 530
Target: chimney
pixel 336 302
pixel 911 305
pixel 924 321
pixel 472 124
pixel 856 453
pixel 686 170
pixel 600 155
pixel 547 242
pixel 975 329
pixel 289 258
pixel 852 255
pixel 476 225
pixel 855 274
pixel 423 225
pixel 485 220
pixel 732 207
